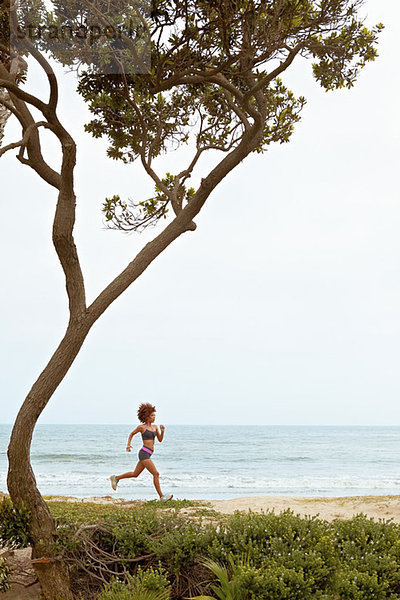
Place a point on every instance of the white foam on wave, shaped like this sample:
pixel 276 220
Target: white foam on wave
pixel 74 482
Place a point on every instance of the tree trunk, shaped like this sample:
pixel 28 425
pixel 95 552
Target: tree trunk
pixel 4 113
pixel 52 572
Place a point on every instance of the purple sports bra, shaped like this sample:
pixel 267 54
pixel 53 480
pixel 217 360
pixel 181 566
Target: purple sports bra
pixel 148 434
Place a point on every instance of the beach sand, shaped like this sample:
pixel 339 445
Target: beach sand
pixel 378 507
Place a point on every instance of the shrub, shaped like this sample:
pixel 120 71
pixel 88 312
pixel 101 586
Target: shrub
pixel 287 557
pixel 229 587
pixel 4 573
pixel 370 558
pixel 356 585
pixel 305 546
pixel 14 525
pixel 182 546
pixel 244 581
pixel 149 584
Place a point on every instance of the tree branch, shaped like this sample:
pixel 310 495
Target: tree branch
pixel 10 147
pixel 23 114
pixel 242 116
pixel 22 143
pixel 53 99
pixel 183 222
pixel 187 172
pixel 268 78
pixel 64 219
pixel 11 108
pixel 13 88
pixel 130 44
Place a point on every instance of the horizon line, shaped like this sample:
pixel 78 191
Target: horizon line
pixel 226 424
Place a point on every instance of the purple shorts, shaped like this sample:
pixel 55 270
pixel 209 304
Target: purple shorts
pixel 145 453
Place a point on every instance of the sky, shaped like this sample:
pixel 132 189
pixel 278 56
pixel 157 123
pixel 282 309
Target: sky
pixel 282 308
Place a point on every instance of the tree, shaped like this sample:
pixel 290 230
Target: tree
pixel 214 84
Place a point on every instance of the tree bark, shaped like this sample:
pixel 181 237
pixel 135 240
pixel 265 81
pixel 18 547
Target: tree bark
pixel 4 113
pixel 52 573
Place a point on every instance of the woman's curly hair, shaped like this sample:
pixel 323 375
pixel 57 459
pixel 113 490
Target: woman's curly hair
pixel 144 411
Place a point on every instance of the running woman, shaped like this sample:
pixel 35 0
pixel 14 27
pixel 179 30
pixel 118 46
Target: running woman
pixel 146 415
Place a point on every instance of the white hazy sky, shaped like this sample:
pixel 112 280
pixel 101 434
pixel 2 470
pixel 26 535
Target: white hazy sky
pixel 282 308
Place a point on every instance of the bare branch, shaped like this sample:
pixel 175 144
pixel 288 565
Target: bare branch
pixel 43 63
pixel 23 114
pixel 10 147
pixel 185 174
pixel 13 88
pixel 10 107
pixel 264 81
pixel 153 174
pixel 242 116
pixel 6 110
pixel 22 143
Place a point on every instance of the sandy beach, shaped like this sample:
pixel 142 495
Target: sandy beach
pixel 378 507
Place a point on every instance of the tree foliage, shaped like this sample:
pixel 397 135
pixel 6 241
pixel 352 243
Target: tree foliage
pixel 215 73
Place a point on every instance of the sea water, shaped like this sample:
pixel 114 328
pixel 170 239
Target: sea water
pixel 214 462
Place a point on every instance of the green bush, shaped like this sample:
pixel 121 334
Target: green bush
pixel 182 546
pixel 356 585
pixel 14 525
pixel 149 584
pixel 370 558
pixel 276 583
pixel 244 581
pixel 4 573
pixel 305 546
pixel 229 586
pixel 287 557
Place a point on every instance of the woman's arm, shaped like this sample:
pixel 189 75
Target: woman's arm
pixel 160 436
pixel 128 445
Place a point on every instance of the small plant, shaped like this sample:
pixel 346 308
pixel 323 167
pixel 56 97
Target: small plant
pixel 229 586
pixel 4 573
pixel 244 581
pixel 180 547
pixel 14 525
pixel 149 584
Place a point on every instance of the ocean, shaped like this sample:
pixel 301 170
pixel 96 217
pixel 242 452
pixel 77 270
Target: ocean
pixel 216 462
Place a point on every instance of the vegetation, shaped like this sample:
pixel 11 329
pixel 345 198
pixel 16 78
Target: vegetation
pixel 4 573
pixel 14 525
pixel 149 584
pixel 155 553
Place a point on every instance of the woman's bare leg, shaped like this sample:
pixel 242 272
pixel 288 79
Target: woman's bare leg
pixel 150 466
pixel 138 469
